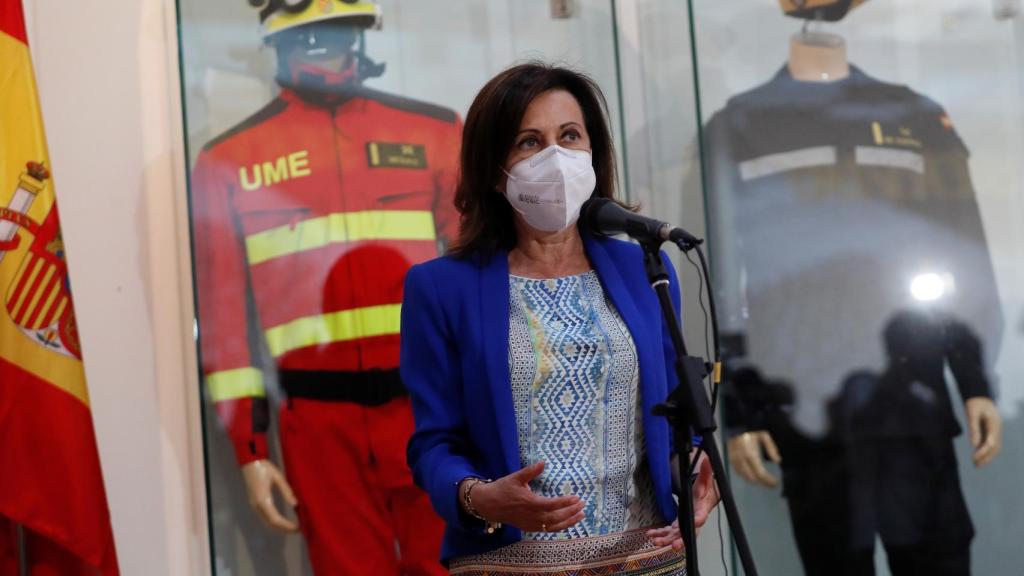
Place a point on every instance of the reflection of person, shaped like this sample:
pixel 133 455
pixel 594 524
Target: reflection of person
pixel 905 485
pixel 306 218
pixel 535 352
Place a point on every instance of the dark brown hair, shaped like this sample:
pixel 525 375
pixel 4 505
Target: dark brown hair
pixel 491 128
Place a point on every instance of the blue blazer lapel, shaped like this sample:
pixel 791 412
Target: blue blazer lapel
pixel 647 349
pixel 494 304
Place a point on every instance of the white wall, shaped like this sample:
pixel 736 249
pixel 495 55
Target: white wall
pixel 107 75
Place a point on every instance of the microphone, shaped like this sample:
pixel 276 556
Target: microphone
pixel 604 216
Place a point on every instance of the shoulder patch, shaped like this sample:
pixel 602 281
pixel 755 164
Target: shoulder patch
pixel 409 105
pixel 275 107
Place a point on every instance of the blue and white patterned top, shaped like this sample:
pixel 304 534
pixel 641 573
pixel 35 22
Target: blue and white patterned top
pixel 577 400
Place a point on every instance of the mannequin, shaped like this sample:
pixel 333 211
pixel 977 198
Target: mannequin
pixel 822 464
pixel 306 217
pixel 813 57
pixel 821 57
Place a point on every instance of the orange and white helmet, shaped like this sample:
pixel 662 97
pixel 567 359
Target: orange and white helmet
pixel 279 15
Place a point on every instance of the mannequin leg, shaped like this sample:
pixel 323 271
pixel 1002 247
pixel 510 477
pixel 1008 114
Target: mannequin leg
pixel 929 560
pixel 928 529
pixel 329 463
pixel 819 508
pixel 418 528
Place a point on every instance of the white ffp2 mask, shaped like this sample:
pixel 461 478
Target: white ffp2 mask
pixel 549 188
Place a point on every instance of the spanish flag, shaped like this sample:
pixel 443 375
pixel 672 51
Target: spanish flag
pixel 51 486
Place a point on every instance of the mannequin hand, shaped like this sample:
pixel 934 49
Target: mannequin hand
pixel 745 456
pixel 509 500
pixel 261 477
pixel 986 428
pixel 705 498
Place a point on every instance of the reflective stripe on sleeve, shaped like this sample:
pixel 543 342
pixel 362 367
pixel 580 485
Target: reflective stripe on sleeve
pixel 335 327
pixel 338 228
pixel 232 384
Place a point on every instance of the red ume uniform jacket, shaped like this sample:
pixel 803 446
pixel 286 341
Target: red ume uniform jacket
pixel 306 217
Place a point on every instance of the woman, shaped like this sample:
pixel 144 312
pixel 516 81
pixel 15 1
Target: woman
pixel 534 353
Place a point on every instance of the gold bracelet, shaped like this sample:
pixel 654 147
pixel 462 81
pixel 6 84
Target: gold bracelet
pixel 467 503
pixel 467 497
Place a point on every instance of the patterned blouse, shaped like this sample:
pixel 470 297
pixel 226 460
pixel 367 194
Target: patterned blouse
pixel 575 386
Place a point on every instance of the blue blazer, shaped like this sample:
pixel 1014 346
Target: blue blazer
pixel 454 362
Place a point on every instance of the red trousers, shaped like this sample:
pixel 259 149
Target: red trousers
pixel 358 508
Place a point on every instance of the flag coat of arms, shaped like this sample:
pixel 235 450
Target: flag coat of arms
pixel 51 485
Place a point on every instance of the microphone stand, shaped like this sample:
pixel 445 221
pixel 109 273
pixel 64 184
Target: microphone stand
pixel 689 412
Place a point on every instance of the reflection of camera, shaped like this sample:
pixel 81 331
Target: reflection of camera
pixel 759 398
pixel 749 399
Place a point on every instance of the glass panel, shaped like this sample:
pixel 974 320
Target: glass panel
pixel 864 196
pixel 308 205
pixel 662 120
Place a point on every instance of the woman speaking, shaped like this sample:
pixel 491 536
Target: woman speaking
pixel 535 351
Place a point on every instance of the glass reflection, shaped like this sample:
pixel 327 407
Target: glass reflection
pixel 929 287
pixel 853 269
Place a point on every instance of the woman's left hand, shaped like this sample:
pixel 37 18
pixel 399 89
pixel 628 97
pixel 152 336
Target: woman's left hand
pixel 705 498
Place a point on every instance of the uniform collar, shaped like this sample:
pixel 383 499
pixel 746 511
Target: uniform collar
pixel 321 88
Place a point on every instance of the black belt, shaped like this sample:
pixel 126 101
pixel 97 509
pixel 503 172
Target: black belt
pixel 367 388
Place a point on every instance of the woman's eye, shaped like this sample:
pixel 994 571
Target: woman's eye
pixel 571 136
pixel 527 142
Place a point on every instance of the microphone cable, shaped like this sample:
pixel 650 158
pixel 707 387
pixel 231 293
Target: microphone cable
pixel 704 278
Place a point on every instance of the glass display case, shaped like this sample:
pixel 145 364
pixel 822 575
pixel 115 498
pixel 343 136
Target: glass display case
pixel 852 164
pixel 311 194
pixel 863 196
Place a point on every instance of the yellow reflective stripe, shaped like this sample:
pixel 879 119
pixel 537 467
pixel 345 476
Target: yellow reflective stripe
pixel 335 327
pixel 340 227
pixel 238 383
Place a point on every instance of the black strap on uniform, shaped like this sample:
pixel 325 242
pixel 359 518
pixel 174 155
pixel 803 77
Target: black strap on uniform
pixel 366 388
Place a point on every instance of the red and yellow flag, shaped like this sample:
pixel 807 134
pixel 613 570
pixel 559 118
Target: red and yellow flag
pixel 50 479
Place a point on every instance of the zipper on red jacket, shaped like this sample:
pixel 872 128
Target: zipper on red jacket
pixel 344 208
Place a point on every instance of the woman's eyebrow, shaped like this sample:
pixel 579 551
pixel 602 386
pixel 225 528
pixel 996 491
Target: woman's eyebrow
pixel 562 127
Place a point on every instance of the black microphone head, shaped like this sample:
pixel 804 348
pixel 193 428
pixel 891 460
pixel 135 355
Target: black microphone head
pixel 594 215
pixel 589 210
pixel 605 217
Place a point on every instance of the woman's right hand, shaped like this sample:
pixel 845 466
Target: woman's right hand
pixel 509 500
